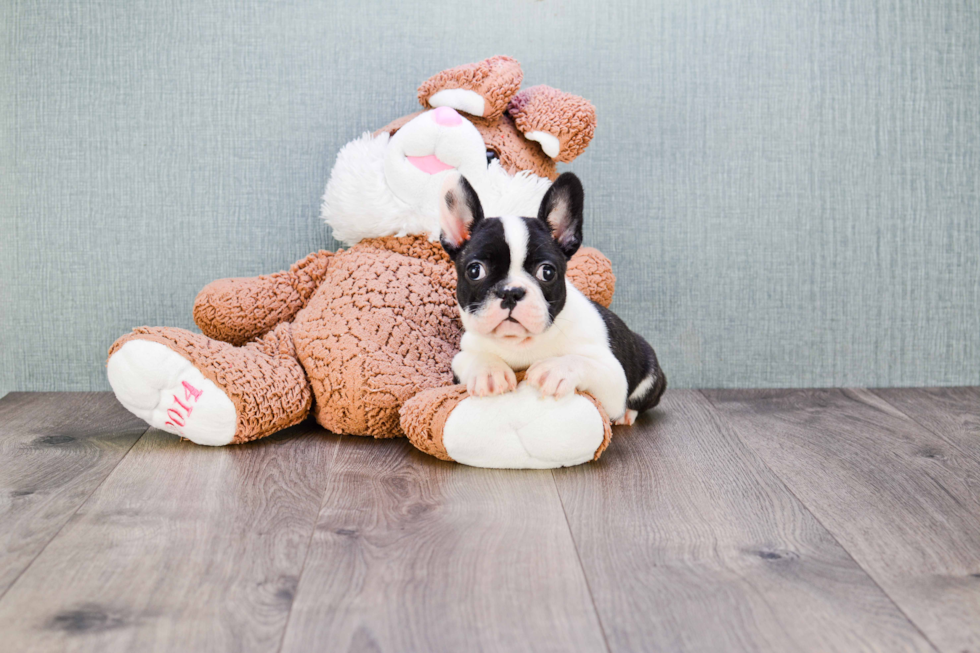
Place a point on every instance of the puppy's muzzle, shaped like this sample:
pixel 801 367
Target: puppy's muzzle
pixel 510 296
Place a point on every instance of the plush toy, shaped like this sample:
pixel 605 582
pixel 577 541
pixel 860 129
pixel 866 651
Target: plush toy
pixel 364 337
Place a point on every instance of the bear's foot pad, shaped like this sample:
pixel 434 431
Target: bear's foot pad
pixel 164 389
pixel 522 430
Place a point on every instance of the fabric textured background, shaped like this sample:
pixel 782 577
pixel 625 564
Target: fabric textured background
pixel 789 191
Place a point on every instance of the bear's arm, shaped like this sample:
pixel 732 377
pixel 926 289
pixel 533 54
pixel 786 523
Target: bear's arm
pixel 591 272
pixel 240 309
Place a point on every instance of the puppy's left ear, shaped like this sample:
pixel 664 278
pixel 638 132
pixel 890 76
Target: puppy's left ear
pixel 459 211
pixel 561 209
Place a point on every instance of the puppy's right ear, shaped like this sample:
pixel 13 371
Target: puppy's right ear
pixel 459 211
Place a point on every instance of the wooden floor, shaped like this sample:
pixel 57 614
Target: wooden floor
pixel 755 520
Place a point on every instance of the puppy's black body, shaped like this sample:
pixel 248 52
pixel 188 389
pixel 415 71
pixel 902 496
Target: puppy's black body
pixel 638 359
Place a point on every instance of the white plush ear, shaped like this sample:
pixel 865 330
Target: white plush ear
pixel 561 209
pixel 479 89
pixel 459 211
pixel 561 122
pixel 550 144
pixel 460 99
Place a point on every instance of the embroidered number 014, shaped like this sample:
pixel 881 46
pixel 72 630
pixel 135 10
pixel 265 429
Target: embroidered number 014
pixel 181 410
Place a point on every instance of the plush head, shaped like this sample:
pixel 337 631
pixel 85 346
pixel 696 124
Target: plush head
pixel 476 123
pixel 510 269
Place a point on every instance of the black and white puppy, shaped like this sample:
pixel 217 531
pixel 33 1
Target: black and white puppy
pixel 520 313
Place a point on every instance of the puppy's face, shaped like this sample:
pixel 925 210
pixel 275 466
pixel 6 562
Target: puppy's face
pixel 511 270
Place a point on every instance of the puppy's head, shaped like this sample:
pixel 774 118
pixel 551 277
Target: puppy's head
pixel 511 270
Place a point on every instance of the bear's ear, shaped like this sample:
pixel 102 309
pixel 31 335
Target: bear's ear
pixel 561 122
pixel 480 89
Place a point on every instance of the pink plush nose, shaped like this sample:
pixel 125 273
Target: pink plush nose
pixel 447 117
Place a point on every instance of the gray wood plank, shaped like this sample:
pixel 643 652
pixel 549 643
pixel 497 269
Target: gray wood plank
pixel 690 543
pixel 182 548
pixel 55 449
pixel 414 554
pixel 954 415
pixel 888 489
pixel 951 413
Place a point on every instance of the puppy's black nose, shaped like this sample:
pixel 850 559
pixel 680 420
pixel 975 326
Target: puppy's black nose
pixel 510 296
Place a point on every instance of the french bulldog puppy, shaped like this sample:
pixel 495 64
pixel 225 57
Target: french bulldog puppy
pixel 520 313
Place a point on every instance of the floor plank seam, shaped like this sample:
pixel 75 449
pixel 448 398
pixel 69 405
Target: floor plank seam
pixel 306 554
pixel 809 510
pixel 72 515
pixel 925 427
pixel 578 557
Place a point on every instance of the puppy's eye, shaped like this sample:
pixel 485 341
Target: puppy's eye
pixel 546 272
pixel 491 156
pixel 476 271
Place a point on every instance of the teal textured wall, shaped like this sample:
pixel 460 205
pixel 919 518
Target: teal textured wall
pixel 789 191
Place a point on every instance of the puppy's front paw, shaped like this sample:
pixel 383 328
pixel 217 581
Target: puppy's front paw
pixel 491 380
pixel 555 377
pixel 627 419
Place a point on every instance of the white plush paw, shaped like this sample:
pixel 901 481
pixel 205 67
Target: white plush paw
pixel 522 430
pixel 163 388
pixel 490 380
pixel 555 377
pixel 627 419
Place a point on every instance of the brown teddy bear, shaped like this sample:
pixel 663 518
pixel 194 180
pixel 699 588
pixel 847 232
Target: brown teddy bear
pixel 364 337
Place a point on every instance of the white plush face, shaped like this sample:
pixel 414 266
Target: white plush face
pixel 420 153
pixel 389 185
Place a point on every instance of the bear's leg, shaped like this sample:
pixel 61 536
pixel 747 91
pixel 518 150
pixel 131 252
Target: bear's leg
pixel 208 391
pixel 517 430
